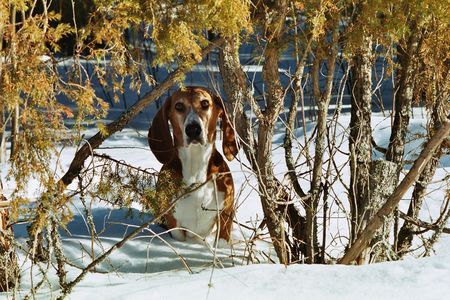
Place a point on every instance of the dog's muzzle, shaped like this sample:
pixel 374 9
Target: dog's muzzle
pixel 194 133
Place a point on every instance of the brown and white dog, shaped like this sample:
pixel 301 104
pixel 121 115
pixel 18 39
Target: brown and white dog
pixel 190 155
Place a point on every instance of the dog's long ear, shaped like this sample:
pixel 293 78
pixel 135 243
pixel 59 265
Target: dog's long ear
pixel 229 144
pixel 159 137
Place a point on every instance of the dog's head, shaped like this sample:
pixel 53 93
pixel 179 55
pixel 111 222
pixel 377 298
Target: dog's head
pixel 193 113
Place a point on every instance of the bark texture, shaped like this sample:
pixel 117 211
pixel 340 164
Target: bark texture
pixel 9 268
pixel 378 220
pixel 406 233
pixel 278 217
pixel 360 140
pixel 381 174
pixel 403 99
pixel 2 135
pixel 323 98
pixel 15 130
pixel 438 115
pixel 268 187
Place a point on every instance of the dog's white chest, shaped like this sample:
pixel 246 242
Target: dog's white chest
pixel 198 210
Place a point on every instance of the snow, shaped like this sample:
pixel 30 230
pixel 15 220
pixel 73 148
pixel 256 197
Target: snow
pixel 419 279
pixel 150 265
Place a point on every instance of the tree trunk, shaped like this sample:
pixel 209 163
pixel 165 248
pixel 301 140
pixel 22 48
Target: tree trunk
pixel 271 190
pixel 360 139
pixel 405 80
pixel 381 174
pixel 406 233
pixel 403 100
pixel 14 130
pixel 2 111
pixel 238 93
pixel 2 135
pixel 274 103
pixel 323 99
pixel 16 111
pixel 297 95
pixel 9 267
pixel 388 208
pixel 438 116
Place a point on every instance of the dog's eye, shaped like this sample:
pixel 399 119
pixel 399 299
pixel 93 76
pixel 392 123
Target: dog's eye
pixel 205 104
pixel 179 106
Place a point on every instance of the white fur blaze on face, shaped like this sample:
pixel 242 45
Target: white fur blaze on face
pixel 191 118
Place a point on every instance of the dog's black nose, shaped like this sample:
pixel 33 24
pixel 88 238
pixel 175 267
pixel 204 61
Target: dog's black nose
pixel 193 130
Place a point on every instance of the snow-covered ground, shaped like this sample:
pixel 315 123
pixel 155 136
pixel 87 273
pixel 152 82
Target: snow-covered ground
pixel 426 278
pixel 153 265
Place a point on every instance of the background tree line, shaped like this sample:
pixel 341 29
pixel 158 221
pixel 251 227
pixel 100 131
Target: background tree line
pixel 337 47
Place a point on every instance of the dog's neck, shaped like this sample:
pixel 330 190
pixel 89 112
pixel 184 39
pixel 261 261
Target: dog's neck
pixel 194 161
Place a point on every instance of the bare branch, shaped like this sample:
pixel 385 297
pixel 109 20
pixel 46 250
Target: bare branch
pixel 423 224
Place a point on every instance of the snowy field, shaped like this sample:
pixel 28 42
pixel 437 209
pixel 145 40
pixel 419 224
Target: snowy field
pixel 154 266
